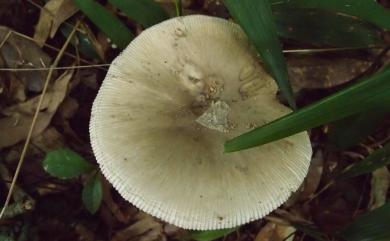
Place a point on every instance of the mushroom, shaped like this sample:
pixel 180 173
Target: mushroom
pixel 169 102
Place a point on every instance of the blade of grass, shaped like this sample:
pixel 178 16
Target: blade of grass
pixel 145 12
pixel 368 10
pixel 106 22
pixel 372 226
pixel 375 160
pixel 256 18
pixel 321 27
pixel 357 98
pixel 353 129
pixel 179 8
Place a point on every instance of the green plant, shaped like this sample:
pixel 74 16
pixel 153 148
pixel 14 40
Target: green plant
pixel 67 164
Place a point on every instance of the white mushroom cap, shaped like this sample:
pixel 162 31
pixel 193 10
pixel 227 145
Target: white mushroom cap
pixel 167 105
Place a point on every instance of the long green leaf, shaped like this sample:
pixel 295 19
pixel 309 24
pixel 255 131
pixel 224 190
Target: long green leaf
pixel 373 226
pixel 210 235
pixel 107 22
pixel 375 160
pixel 359 97
pixel 353 129
pixel 368 10
pixel 321 27
pixel 145 12
pixel 255 17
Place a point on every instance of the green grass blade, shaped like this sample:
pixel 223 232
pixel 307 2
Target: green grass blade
pixel 255 17
pixel 106 22
pixel 179 7
pixel 144 12
pixel 375 160
pixel 351 130
pixel 210 235
pixel 359 97
pixel 321 27
pixel 368 10
pixel 373 226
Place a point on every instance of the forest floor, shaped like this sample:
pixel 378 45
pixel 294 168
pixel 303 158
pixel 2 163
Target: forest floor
pixel 44 207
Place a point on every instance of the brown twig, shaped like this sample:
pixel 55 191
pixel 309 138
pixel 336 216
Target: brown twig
pixel 30 132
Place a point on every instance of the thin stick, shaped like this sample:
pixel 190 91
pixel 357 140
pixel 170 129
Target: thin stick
pixel 309 51
pixel 55 68
pixel 51 47
pixel 5 38
pixel 29 135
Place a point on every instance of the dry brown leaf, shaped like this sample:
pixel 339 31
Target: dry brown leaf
pixel 312 72
pixel 14 128
pixel 55 12
pixel 50 139
pixel 68 108
pixel 313 178
pixel 18 52
pixel 275 232
pixel 109 201
pixel 145 228
pixel 380 182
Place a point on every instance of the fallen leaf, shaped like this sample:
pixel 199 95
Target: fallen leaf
pixel 145 228
pixel 313 178
pixel 18 52
pixel 15 126
pixel 48 140
pixel 276 232
pixel 68 108
pixel 313 72
pixel 53 14
pixel 380 182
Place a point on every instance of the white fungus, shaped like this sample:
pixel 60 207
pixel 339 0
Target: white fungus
pixel 167 105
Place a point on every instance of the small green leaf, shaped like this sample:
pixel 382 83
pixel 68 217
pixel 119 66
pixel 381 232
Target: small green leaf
pixel 364 95
pixel 106 21
pixel 375 160
pixel 210 235
pixel 92 194
pixel 321 27
pixel 145 12
pixel 255 17
pixel 368 10
pixel 372 226
pixel 65 163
